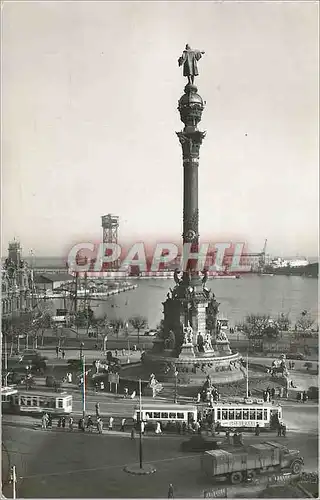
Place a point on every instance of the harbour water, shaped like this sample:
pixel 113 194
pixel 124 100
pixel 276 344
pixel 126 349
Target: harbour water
pixel 238 297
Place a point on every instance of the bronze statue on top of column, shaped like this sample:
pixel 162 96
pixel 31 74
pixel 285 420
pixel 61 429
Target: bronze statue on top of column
pixel 189 60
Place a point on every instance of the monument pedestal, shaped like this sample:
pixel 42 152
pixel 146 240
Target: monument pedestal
pixel 187 351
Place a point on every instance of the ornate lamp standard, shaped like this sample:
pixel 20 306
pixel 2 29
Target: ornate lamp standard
pixel 176 373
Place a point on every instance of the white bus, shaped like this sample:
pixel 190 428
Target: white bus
pixel 246 415
pixel 166 412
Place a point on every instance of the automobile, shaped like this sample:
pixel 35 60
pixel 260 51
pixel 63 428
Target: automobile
pixel 200 443
pixel 151 333
pixel 295 355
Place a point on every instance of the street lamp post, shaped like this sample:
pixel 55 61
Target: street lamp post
pixel 140 437
pixel 175 384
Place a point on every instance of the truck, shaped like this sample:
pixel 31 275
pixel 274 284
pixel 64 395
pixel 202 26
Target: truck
pixel 242 463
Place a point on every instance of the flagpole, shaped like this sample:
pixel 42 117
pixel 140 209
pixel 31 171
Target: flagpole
pixel 247 375
pixel 140 438
pixel 84 387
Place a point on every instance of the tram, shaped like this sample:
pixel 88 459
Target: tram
pixel 245 415
pixel 165 413
pixel 36 403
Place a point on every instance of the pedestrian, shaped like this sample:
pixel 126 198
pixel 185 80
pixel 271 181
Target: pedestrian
pixel 123 423
pixel 44 420
pixel 126 392
pixel 284 430
pixel 111 423
pixel 69 378
pixel 301 396
pixel 63 354
pixel 281 392
pixel 133 433
pixel 81 425
pixel 123 352
pixel 198 397
pixel 158 428
pixel 57 351
pixel 70 424
pixel 49 425
pixel 63 422
pixel 116 353
pixel 99 425
pixel 279 429
pixel 133 395
pixel 59 422
pixel 240 438
pixel 184 427
pixel 90 424
pixel 102 386
pixel 170 491
pixel 257 431
pixel 97 406
pixel 292 365
pixel 273 392
pixel 304 397
pixel 143 425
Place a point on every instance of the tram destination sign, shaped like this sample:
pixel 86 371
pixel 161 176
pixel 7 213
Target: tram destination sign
pixel 240 423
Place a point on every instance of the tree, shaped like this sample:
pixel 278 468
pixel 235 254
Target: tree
pixel 100 325
pixel 117 324
pixel 283 322
pixel 304 324
pixel 138 322
pixel 255 325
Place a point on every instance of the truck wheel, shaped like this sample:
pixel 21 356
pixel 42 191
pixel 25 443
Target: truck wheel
pixel 251 474
pixel 296 467
pixel 236 477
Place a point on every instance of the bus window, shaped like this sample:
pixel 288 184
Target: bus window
pixel 70 402
pixel 219 414
pixel 180 415
pixel 28 400
pixel 60 403
pixel 173 415
pixel 252 414
pixel 265 414
pixel 238 414
pixel 259 414
pixel 245 414
pixel 231 414
pixel 156 414
pixel 149 414
pixel 34 401
pixel 23 401
pixel 164 414
pixel 224 414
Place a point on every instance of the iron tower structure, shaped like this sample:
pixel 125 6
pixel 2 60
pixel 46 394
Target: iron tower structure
pixel 110 226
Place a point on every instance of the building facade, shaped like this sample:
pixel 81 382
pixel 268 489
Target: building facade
pixel 17 285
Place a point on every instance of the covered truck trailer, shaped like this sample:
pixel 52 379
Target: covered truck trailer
pixel 242 463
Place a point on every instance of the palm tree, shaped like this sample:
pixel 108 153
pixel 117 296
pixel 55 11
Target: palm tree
pixel 138 322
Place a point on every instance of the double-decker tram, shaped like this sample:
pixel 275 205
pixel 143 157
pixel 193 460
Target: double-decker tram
pixel 245 415
pixel 36 403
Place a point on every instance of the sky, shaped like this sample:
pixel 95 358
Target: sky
pixel 89 115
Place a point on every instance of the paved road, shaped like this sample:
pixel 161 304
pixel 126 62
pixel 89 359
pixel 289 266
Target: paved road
pixel 64 465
